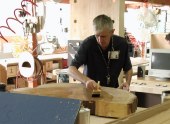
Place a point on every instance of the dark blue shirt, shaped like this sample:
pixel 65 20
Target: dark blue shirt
pixel 93 58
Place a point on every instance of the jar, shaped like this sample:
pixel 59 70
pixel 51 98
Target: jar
pixel 165 96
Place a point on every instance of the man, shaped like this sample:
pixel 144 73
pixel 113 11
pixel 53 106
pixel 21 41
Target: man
pixel 167 37
pixel 103 55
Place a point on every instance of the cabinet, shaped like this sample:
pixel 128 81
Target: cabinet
pixel 10 76
pixel 12 70
pixel 48 67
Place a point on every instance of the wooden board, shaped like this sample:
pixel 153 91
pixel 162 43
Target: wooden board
pixel 158 114
pixel 112 103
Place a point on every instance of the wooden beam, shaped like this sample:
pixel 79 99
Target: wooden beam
pixel 65 1
pixel 162 2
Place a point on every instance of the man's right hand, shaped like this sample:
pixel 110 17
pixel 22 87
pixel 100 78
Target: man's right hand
pixel 92 85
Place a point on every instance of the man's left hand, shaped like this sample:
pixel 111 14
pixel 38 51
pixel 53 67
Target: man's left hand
pixel 124 86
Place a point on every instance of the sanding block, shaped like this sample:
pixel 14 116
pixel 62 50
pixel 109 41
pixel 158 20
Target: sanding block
pixel 96 93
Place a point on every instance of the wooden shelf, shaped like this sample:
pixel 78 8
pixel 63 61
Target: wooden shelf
pixel 9 69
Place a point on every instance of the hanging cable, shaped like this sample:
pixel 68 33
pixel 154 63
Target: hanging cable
pixel 15 18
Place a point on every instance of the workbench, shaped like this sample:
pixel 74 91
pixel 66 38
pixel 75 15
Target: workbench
pixel 148 90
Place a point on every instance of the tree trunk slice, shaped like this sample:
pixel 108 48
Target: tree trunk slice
pixel 111 103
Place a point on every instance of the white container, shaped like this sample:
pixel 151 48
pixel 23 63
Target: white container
pixel 165 96
pixel 83 116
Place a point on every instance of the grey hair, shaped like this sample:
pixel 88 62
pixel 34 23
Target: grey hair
pixel 101 22
pixel 167 37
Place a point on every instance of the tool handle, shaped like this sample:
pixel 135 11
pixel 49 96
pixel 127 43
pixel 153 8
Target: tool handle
pixel 98 85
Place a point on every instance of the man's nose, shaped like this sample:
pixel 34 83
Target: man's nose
pixel 100 38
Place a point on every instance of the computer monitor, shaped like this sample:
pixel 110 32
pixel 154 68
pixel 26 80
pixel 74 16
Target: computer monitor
pixel 159 66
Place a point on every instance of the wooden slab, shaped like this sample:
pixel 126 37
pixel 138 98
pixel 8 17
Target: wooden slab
pixel 112 103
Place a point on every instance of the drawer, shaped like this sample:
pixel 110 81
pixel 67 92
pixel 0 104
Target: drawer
pixel 12 71
pixel 49 65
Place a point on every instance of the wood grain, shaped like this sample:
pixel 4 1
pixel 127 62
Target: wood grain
pixel 112 102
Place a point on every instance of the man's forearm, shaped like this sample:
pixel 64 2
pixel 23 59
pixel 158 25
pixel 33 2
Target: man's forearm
pixel 128 76
pixel 77 75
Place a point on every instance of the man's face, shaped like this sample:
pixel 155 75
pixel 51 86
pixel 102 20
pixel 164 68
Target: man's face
pixel 103 38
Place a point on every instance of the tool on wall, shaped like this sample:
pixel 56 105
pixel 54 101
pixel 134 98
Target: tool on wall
pixel 19 14
pixel 30 67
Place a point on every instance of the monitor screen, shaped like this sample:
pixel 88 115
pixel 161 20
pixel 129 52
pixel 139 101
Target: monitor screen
pixel 159 66
pixel 160 61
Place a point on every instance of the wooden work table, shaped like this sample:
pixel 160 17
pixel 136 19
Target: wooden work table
pixel 149 85
pixel 148 90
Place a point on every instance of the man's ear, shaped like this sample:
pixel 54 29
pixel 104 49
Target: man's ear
pixel 113 30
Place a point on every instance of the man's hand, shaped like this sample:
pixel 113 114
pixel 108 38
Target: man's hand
pixel 124 86
pixel 92 85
